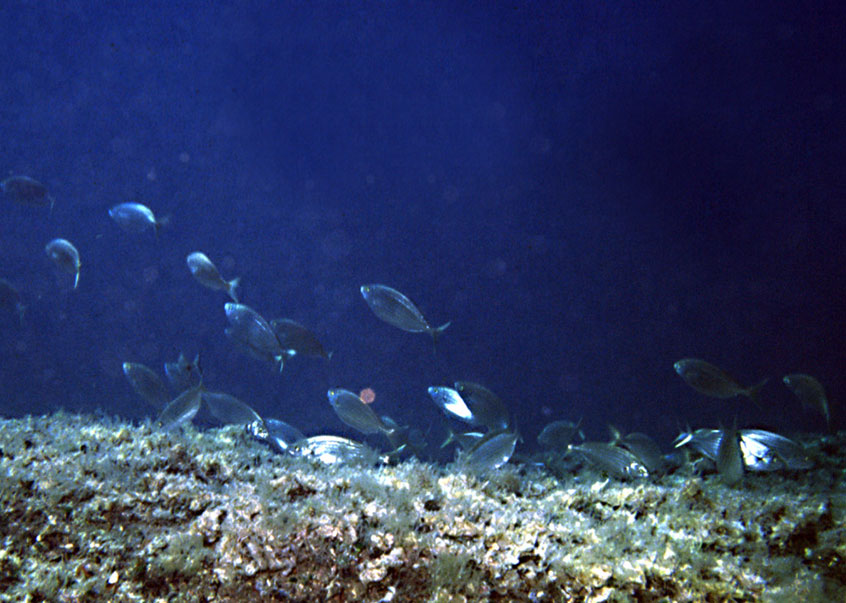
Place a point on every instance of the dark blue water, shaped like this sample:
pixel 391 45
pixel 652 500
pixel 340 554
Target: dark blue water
pixel 589 193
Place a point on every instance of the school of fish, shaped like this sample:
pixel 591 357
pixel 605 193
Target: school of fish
pixel 489 437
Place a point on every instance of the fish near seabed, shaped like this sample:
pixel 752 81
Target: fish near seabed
pixel 396 309
pixel 206 273
pixel 251 331
pixel 713 381
pixel 135 217
pixel 27 191
pixel 809 391
pixel 65 256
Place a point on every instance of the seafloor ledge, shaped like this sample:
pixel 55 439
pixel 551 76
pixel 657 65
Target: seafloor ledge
pixel 102 510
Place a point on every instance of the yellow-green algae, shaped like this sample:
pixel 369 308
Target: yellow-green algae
pixel 98 509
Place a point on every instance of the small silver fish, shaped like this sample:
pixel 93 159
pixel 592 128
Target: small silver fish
pixel 183 374
pixel 279 435
pixel 355 413
pixel 712 381
pixel 809 391
pixel 297 340
pixel 491 452
pixel 465 440
pixel 613 460
pixel 228 409
pixel 10 297
pixel 135 217
pixel 396 309
pixel 767 451
pixel 645 449
pixel 254 332
pixel 206 273
pixel 729 460
pixel 146 384
pixel 334 450
pixel 486 406
pixel 27 191
pixel 558 435
pixel 451 402
pixel 182 409
pixel 65 256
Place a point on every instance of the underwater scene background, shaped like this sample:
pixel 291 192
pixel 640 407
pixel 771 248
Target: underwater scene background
pixel 595 197
pixel 588 193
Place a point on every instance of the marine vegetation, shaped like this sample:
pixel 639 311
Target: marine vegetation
pixel 96 509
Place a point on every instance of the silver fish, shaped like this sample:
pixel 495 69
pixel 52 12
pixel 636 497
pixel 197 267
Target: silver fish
pixel 10 297
pixel 27 191
pixel 253 331
pixel 645 449
pixel 558 435
pixel 279 435
pixel 297 340
pixel 613 460
pixel 146 384
pixel 465 440
pixel 396 309
pixel 452 403
pixel 767 451
pixel 206 273
pixel 65 256
pixel 712 381
pixel 228 409
pixel 333 450
pixel 355 413
pixel 809 391
pixel 135 217
pixel 183 374
pixel 729 460
pixel 182 409
pixel 491 452
pixel 488 409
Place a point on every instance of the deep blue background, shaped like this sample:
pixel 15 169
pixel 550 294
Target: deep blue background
pixel 588 192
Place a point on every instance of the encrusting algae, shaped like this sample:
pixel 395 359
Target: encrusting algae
pixel 96 509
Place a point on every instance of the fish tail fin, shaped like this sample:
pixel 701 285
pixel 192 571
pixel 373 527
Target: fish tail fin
pixel 231 287
pixel 76 279
pixel 449 439
pixel 329 355
pixel 436 334
pixel 753 391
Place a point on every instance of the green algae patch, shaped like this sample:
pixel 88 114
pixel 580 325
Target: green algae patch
pixel 96 509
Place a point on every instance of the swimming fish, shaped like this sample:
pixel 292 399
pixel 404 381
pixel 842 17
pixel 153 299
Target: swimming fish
pixel 396 309
pixel 228 409
pixel 355 413
pixel 251 330
pixel 10 297
pixel 452 403
pixel 279 435
pixel 183 374
pixel 135 217
pixel 27 191
pixel 767 451
pixel 558 435
pixel 65 256
pixel 297 340
pixel 206 273
pixel 333 450
pixel 645 449
pixel 613 460
pixel 488 409
pixel 712 381
pixel 146 384
pixel 491 452
pixel 181 409
pixel 809 391
pixel 729 459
